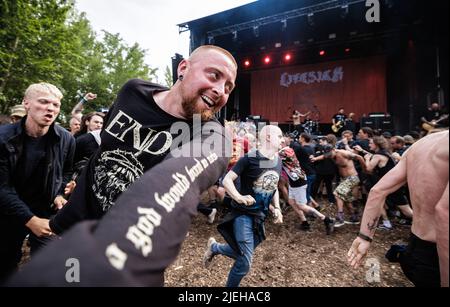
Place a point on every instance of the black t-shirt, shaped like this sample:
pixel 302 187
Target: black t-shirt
pixel 136 136
pixel 85 148
pixel 297 183
pixel 432 115
pixel 437 115
pixel 259 178
pixel 325 166
pixel 31 174
pixel 350 125
pixel 339 118
pixel 303 153
pixel 364 143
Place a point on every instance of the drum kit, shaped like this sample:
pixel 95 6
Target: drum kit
pixel 311 127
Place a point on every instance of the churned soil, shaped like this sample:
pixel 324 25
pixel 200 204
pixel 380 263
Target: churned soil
pixel 290 257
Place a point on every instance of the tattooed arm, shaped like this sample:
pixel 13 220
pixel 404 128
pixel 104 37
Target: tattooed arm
pixel 391 182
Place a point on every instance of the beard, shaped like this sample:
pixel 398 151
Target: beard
pixel 190 108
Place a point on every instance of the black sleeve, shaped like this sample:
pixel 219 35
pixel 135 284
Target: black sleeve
pixel 10 203
pixel 68 163
pixel 142 234
pixel 240 165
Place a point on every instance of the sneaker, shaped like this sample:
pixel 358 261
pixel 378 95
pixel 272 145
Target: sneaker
pixel 339 220
pixel 329 225
pixel 212 215
pixel 353 220
pixel 209 255
pixel 339 223
pixel 310 216
pixel 386 225
pixel 304 226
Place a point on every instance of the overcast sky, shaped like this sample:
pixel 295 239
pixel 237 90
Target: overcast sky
pixel 152 23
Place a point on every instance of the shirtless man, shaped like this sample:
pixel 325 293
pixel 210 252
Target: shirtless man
pixel 297 121
pixel 349 179
pixel 427 252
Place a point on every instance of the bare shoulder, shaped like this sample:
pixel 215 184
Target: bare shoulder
pixel 430 154
pixel 434 143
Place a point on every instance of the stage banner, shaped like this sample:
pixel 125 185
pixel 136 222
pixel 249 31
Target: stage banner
pixel 357 85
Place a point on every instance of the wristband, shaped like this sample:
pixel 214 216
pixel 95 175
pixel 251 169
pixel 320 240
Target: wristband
pixel 364 237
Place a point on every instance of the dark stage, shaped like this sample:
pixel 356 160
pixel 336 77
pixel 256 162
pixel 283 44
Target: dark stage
pixel 319 56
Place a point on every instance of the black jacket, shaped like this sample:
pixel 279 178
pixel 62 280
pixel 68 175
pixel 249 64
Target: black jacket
pixel 59 167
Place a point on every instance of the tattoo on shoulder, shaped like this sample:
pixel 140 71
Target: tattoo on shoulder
pixel 373 225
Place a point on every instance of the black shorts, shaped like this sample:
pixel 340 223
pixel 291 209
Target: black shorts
pixel 398 198
pixel 420 263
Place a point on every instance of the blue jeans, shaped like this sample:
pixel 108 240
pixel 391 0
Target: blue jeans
pixel 310 180
pixel 247 241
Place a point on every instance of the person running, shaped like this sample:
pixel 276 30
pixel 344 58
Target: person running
pixel 243 228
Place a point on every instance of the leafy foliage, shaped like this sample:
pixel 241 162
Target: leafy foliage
pixel 48 40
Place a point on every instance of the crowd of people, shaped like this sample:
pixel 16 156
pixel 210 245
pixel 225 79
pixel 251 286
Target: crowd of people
pixel 118 192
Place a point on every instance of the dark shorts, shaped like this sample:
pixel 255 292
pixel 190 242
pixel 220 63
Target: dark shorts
pixel 420 263
pixel 398 198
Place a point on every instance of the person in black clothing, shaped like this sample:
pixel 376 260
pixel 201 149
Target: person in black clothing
pixel 297 191
pixel 243 227
pixel 434 117
pixel 140 233
pixel 350 123
pixel 35 164
pixel 346 141
pixel 362 139
pixel 398 146
pixel 379 164
pixel 145 122
pixel 325 169
pixel 88 138
pixel 304 153
pixel 338 121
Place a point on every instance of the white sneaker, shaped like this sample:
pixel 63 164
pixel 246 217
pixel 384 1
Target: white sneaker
pixel 212 215
pixel 208 256
pixel 386 225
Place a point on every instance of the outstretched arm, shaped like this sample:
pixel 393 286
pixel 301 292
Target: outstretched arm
pixel 79 107
pixel 390 183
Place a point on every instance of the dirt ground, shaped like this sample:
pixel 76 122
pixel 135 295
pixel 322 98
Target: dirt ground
pixel 290 258
pixel 287 258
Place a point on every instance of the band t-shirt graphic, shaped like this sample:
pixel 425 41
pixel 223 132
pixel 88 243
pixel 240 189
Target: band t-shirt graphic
pixel 259 178
pixel 135 137
pixel 339 118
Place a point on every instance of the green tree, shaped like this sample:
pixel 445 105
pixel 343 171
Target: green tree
pixel 48 40
pixel 33 38
pixel 168 77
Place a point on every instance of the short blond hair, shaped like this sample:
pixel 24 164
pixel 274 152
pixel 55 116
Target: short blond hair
pixel 43 87
pixel 219 49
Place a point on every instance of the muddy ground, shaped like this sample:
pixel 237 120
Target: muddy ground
pixel 290 258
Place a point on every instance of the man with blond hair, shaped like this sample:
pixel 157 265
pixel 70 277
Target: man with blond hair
pixel 35 164
pixel 142 232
